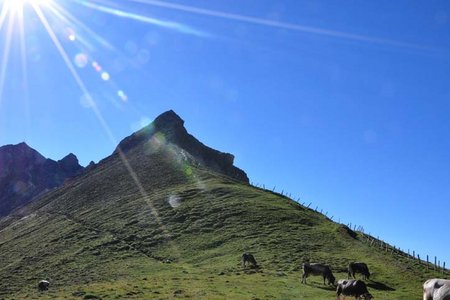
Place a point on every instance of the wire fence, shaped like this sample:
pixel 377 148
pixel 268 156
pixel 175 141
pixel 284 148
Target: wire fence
pixel 426 261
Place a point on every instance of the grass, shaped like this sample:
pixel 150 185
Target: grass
pixel 181 236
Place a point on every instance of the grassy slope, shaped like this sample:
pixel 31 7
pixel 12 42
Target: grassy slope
pixel 100 235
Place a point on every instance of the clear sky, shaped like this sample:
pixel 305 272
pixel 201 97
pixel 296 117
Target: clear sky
pixel 345 104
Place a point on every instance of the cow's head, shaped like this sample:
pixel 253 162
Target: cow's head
pixel 367 296
pixel 332 280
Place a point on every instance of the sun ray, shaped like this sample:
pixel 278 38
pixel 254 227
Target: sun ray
pixel 3 15
pixel 5 56
pixel 281 25
pixel 23 59
pixel 70 21
pixel 100 118
pixel 68 18
pixel 182 28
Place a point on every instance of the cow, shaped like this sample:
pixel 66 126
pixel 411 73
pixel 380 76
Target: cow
pixel 318 270
pixel 358 267
pixel 436 289
pixel 443 293
pixel 43 285
pixel 354 288
pixel 248 258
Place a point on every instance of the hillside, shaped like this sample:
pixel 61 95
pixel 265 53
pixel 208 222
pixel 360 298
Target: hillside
pixel 155 221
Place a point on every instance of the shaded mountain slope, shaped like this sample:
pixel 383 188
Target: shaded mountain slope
pixel 174 228
pixel 25 173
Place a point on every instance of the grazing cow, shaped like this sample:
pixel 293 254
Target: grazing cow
pixel 353 288
pixel 43 285
pixel 318 270
pixel 436 289
pixel 358 267
pixel 443 293
pixel 248 258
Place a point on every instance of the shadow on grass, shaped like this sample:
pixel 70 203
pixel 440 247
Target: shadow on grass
pixel 379 286
pixel 323 287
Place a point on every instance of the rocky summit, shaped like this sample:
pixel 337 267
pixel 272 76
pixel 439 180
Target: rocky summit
pixel 25 174
pixel 170 127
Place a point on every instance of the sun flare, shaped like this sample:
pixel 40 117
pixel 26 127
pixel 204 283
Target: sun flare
pixel 17 5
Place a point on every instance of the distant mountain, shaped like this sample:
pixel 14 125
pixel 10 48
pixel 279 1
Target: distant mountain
pixel 25 173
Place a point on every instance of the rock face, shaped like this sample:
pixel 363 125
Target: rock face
pixel 171 127
pixel 25 173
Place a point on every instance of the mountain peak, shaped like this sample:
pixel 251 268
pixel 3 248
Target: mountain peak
pixel 172 127
pixel 168 119
pixel 22 150
pixel 69 164
pixel 20 146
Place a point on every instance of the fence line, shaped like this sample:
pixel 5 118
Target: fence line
pixel 371 240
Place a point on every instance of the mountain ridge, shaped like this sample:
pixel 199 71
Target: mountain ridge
pixel 168 127
pixel 25 174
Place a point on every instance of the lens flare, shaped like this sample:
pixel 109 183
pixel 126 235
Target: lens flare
pixel 17 5
pixel 105 76
pixel 81 60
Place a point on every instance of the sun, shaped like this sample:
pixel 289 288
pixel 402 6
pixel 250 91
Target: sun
pixel 13 5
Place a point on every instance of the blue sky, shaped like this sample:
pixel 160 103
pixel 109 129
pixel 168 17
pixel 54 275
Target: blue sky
pixel 343 104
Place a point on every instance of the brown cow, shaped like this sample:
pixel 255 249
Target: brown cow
pixel 358 267
pixel 248 258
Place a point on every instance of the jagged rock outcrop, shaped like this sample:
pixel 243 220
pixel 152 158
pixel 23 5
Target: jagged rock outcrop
pixel 25 173
pixel 171 127
pixel 69 164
